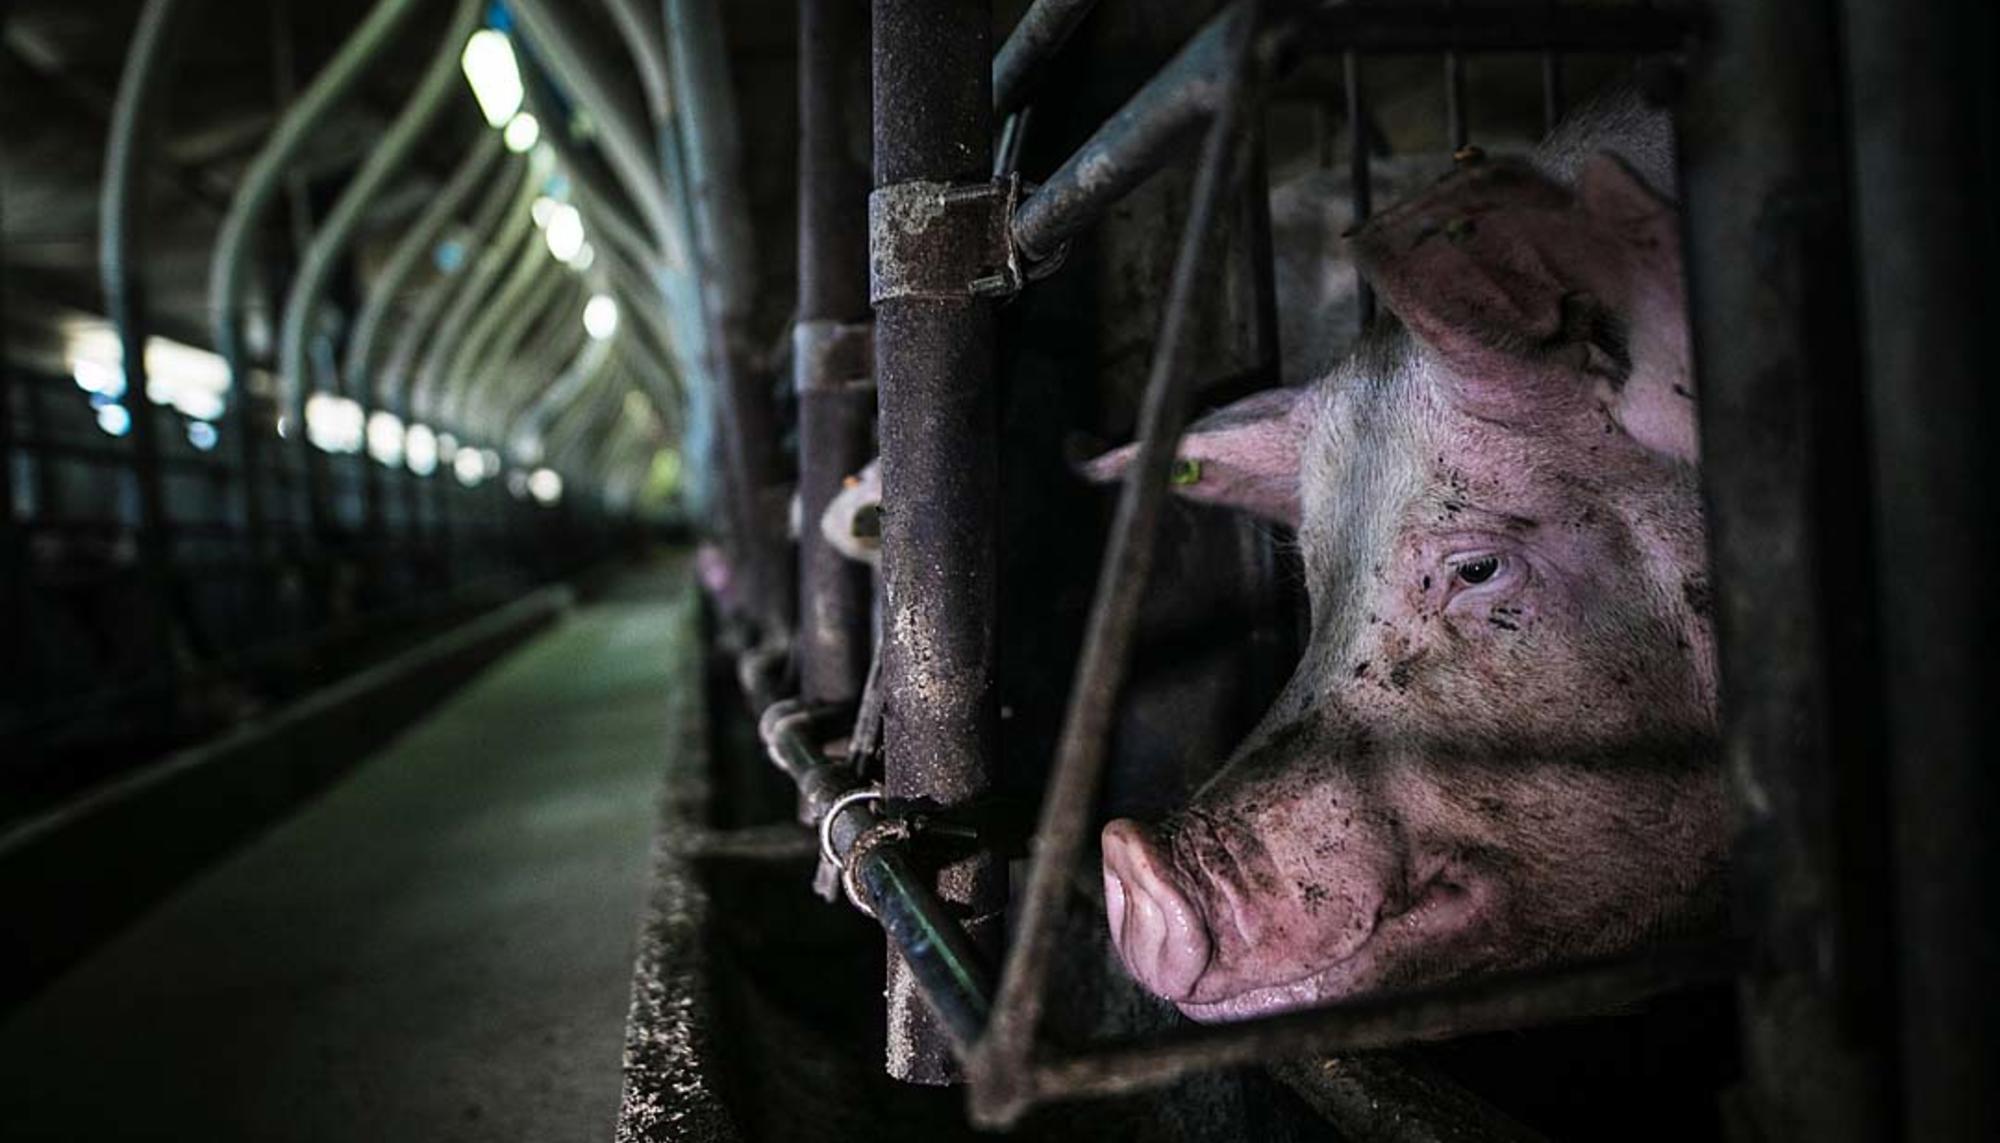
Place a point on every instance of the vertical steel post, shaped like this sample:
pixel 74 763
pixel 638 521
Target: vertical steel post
pixel 1771 280
pixel 835 404
pixel 1923 111
pixel 151 61
pixel 711 154
pixel 933 119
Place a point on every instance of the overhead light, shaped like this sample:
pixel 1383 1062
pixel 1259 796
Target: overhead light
pixel 545 485
pixel 522 132
pixel 495 76
pixel 114 419
pixel 600 316
pixel 420 449
pixel 564 232
pixel 385 437
pixel 543 209
pixel 584 258
pixel 469 467
pixel 335 424
pixel 202 435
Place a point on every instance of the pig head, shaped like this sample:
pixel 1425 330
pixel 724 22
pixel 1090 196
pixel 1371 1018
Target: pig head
pixel 1498 748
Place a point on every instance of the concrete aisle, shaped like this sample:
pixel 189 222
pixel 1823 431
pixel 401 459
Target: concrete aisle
pixel 439 948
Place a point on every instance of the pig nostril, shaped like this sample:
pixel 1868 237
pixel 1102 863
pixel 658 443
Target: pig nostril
pixel 1159 936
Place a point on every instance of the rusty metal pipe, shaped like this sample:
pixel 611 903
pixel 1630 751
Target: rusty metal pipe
pixel 1040 34
pixel 939 415
pixel 836 392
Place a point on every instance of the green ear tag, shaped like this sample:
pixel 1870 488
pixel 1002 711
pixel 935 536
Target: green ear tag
pixel 1186 471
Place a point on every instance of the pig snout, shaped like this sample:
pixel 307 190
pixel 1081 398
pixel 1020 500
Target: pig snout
pixel 1156 928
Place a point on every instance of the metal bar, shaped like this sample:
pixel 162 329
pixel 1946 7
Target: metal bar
pixel 1396 27
pixel 710 155
pixel 1360 185
pixel 516 243
pixel 1515 1000
pixel 1776 351
pixel 532 269
pixel 523 433
pixel 260 182
pixel 945 964
pixel 1919 97
pixel 568 51
pixel 531 355
pixel 835 412
pixel 1003 1086
pixel 1145 135
pixel 1384 1097
pixel 1152 128
pixel 412 251
pixel 149 63
pixel 329 246
pixel 939 417
pixel 504 196
pixel 642 28
pixel 1040 34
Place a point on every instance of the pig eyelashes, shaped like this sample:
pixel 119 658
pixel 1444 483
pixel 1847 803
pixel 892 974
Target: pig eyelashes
pixel 1481 574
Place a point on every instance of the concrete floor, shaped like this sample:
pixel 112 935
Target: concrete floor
pixel 440 948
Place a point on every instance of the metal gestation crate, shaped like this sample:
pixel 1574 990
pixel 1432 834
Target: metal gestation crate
pixel 1756 85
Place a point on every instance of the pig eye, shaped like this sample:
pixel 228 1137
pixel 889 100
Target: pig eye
pixel 1478 570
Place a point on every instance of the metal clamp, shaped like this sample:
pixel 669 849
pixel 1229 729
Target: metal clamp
pixel 839 806
pixel 944 241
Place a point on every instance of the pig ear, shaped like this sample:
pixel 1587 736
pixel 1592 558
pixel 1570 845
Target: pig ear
pixel 1244 455
pixel 1535 294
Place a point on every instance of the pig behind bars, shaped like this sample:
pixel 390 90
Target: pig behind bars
pixel 1497 750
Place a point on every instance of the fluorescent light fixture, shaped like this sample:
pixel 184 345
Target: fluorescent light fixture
pixel 468 466
pixel 523 131
pixel 420 449
pixel 545 485
pixel 385 437
pixel 495 76
pixel 600 316
pixel 335 424
pixel 114 419
pixel 98 378
pixel 564 232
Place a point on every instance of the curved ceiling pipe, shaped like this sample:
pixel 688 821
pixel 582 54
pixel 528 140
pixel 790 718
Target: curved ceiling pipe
pixel 412 251
pixel 645 38
pixel 149 66
pixel 525 431
pixel 542 354
pixel 562 45
pixel 329 245
pixel 524 277
pixel 531 348
pixel 579 419
pixel 397 377
pixel 629 288
pixel 300 121
pixel 489 375
pixel 515 238
pixel 655 379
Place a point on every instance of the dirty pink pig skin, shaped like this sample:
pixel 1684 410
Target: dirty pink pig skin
pixel 1497 751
